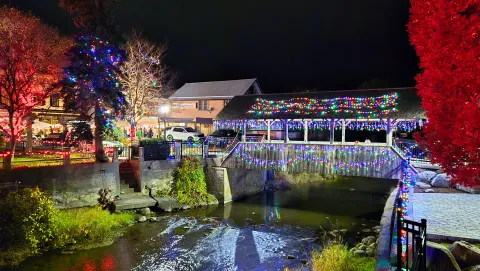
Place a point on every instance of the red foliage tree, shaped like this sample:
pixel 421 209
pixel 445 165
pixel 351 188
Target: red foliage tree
pixel 446 37
pixel 30 68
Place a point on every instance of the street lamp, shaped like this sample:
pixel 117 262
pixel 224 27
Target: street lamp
pixel 164 109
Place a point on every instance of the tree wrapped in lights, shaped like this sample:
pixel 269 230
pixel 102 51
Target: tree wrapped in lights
pixel 446 37
pixel 143 76
pixel 31 54
pixel 92 84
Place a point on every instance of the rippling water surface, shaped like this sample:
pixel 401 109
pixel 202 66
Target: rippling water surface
pixel 256 233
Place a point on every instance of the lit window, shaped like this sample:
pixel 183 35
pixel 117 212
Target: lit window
pixel 203 105
pixel 55 100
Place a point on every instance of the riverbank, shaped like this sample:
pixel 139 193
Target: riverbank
pixel 68 230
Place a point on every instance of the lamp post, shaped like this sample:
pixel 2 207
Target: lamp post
pixel 164 109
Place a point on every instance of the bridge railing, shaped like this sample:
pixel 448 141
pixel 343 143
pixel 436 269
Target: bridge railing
pixel 410 149
pixel 220 146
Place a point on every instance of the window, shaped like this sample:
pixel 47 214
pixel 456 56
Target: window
pixel 179 130
pixel 55 100
pixel 203 105
pixel 190 129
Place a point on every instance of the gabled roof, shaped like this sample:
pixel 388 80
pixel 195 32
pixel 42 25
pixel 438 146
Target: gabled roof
pixel 407 105
pixel 214 89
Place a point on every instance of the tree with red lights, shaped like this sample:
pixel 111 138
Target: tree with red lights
pixel 30 68
pixel 446 37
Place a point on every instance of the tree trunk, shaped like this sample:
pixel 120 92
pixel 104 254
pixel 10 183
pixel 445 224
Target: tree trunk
pixel 99 151
pixel 29 137
pixel 13 140
pixel 132 132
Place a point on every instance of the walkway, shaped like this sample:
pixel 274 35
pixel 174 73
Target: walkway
pixel 449 216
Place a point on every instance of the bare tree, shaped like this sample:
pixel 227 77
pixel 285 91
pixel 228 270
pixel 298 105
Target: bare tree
pixel 143 76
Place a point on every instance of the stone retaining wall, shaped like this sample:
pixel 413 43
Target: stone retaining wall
pixel 70 185
pixel 383 248
pixel 228 184
pixel 157 175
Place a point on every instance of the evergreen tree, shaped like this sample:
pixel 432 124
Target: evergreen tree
pixel 91 84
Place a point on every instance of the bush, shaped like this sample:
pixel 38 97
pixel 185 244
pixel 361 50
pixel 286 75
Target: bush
pixel 336 257
pixel 88 227
pixel 26 224
pixel 189 184
pixel 29 225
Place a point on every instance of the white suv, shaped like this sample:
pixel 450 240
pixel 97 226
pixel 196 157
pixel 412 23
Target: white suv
pixel 183 133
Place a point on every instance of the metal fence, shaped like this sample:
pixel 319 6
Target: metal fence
pixel 163 150
pixel 408 238
pixel 411 243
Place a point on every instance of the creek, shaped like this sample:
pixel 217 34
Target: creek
pixel 256 233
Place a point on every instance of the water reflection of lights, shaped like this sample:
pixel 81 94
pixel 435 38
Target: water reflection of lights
pixel 272 209
pixel 108 262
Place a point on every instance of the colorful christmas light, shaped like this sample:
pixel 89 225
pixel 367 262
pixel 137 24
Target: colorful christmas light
pixel 362 107
pixel 367 125
pixel 338 158
pixel 93 78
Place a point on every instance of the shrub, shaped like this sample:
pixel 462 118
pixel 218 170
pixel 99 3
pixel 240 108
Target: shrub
pixel 333 257
pixel 189 184
pixel 88 227
pixel 26 223
pixel 336 257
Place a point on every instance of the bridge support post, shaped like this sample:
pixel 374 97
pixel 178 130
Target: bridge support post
pixel 332 131
pixel 389 133
pixel 285 131
pixel 269 123
pixel 343 131
pixel 305 131
pixel 244 132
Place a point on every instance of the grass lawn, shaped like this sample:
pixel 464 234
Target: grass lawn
pixel 44 160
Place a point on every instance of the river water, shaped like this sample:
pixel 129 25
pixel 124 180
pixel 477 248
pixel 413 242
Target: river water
pixel 257 233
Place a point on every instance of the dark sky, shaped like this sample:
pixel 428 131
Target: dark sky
pixel 287 45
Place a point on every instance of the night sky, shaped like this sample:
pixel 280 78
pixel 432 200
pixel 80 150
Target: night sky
pixel 287 45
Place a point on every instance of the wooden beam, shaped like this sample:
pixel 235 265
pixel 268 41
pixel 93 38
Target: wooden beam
pixel 332 131
pixel 269 122
pixel 305 131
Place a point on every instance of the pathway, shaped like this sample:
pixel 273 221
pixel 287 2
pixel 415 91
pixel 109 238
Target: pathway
pixel 449 216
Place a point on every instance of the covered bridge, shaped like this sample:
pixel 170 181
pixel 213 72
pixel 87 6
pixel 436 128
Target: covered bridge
pixel 370 115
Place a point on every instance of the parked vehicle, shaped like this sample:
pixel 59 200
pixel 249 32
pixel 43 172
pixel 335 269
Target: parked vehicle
pixel 224 133
pixel 222 138
pixel 183 133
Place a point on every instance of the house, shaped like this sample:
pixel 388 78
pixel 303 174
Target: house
pixel 197 104
pixel 51 111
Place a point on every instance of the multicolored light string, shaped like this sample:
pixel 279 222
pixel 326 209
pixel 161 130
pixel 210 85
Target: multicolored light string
pixel 367 125
pixel 99 61
pixel 362 107
pixel 259 155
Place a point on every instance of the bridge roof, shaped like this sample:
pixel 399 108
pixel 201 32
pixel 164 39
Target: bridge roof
pixel 395 103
